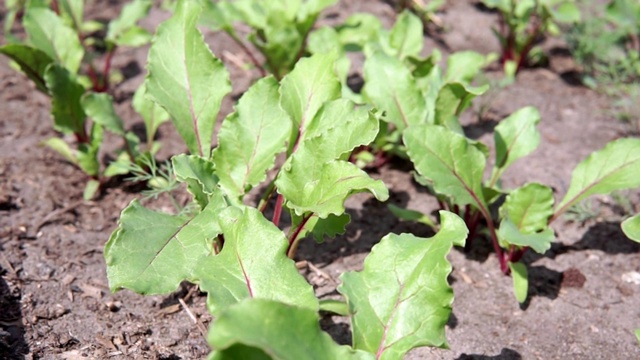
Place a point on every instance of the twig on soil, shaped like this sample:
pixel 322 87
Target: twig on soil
pixel 304 263
pixel 195 320
pixel 54 214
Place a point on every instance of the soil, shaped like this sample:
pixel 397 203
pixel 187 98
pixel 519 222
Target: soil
pixel 54 298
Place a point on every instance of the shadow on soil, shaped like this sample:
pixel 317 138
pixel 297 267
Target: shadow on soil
pixel 12 341
pixel 505 354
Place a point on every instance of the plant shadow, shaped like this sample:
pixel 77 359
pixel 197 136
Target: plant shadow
pixel 12 342
pixel 505 354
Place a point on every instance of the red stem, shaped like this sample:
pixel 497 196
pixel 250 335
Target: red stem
pixel 277 212
pixel 293 240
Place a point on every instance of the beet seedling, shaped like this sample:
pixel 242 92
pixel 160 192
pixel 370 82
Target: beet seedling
pixel 524 22
pixel 261 303
pixel 56 49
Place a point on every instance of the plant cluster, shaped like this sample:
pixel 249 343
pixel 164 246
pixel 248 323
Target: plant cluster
pixel 523 23
pixel 300 137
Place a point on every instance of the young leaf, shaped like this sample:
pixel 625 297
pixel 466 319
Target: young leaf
pixel 509 234
pixel 198 173
pixel 616 167
pixel 152 252
pixel 67 112
pixel 303 91
pixel 99 107
pixel 62 148
pixel 447 159
pixel 74 9
pixel 87 153
pixel 330 227
pixel 33 62
pixel 186 78
pixel 390 87
pixel 515 137
pixel 250 139
pixel 252 264
pixel 631 228
pixel 122 29
pixel 152 114
pixel 463 66
pixel 314 179
pixel 529 207
pixel 401 300
pixel 520 280
pixel 406 36
pixel 266 329
pixel 48 33
pixel 412 215
pixel 91 189
pixel 452 100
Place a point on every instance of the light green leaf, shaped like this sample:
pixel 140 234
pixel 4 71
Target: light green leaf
pixel 152 114
pixel 452 100
pixel 463 66
pixel 122 28
pixel 303 92
pixel 33 62
pixel 74 9
pixel 391 88
pixel 186 78
pixel 314 179
pixel 199 175
pixel 48 33
pixel 515 137
pixel 87 153
pixel 449 160
pixel 68 115
pixel 567 12
pixel 62 148
pixel 406 36
pixel 250 139
pixel 616 167
pixel 266 329
pixel 99 107
pixel 412 215
pixel 252 264
pixel 631 228
pixel 529 207
pixel 508 234
pixel 334 306
pixel 152 252
pixel 520 281
pixel 91 189
pixel 401 300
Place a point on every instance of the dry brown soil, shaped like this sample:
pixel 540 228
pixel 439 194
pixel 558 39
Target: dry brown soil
pixel 54 298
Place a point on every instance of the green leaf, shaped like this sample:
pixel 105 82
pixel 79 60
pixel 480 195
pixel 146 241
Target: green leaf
pixel 122 29
pixel 631 228
pixel 540 242
pixel 152 252
pixel 265 329
pixel 411 215
pixel 529 207
pixel 48 33
pixel 199 175
pixel 314 179
pixel 515 137
pixel 32 62
pixel 401 300
pixel 99 107
pixel 448 160
pixel 250 139
pixel 452 100
pixel 567 12
pixel 252 264
pixel 390 87
pixel 91 189
pixel 406 36
pixel 74 9
pixel 520 281
pixel 463 66
pixel 152 114
pixel 303 92
pixel 68 115
pixel 616 167
pixel 186 78
pixel 87 153
pixel 330 227
pixel 337 307
pixel 62 148
pixel 637 332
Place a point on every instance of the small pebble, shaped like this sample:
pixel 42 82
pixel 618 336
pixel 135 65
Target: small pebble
pixel 632 277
